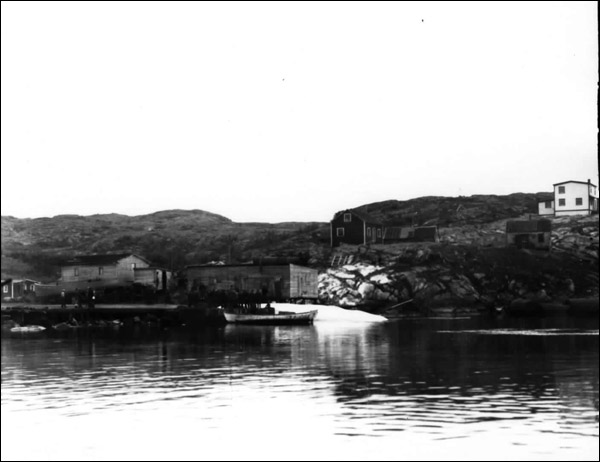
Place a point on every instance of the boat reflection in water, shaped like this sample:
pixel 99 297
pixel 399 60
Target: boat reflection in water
pixel 422 389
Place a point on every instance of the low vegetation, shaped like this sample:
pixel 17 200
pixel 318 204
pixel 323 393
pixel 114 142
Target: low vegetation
pixel 470 263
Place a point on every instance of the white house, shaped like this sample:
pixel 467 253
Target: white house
pixel 546 208
pixel 571 198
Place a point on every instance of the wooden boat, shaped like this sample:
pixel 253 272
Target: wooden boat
pixel 27 328
pixel 306 317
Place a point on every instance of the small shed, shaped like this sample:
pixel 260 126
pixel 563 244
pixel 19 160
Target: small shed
pixel 529 234
pixel 396 234
pixel 17 288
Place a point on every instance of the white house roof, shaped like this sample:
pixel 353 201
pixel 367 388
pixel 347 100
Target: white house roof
pixel 573 181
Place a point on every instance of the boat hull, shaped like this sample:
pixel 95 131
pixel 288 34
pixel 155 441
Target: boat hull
pixel 28 329
pixel 286 318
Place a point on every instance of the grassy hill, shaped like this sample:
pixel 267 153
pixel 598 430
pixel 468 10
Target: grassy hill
pixel 174 238
pixel 454 211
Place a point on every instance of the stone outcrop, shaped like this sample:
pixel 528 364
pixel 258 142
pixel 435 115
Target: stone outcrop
pixel 367 285
pixel 576 236
pixel 460 272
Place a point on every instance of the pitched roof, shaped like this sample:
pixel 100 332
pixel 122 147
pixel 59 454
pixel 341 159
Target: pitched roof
pixel 408 232
pixel 363 216
pixel 106 259
pixel 398 232
pixel 574 181
pixel 529 226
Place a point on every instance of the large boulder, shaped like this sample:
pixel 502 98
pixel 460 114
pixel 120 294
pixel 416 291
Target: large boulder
pixel 365 289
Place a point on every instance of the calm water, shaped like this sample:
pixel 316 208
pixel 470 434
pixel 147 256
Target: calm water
pixel 428 389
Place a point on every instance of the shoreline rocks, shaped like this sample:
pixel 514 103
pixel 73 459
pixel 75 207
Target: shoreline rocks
pixel 427 276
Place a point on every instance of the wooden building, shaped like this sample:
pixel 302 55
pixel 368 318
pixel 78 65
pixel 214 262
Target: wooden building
pixel 273 282
pixel 546 207
pixel 356 228
pixel 352 227
pixel 571 198
pixel 529 234
pixel 17 288
pixel 101 270
pixel 397 234
pixel 152 276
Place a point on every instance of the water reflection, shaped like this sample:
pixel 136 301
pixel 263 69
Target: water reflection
pixel 429 380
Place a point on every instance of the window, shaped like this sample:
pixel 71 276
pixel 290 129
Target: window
pixel 75 272
pixel 132 266
pixel 369 232
pixel 32 287
pixel 541 238
pixel 5 289
pixel 347 217
pixel 379 232
pixel 561 190
pixel 548 204
pixel 561 202
pixel 339 232
pixel 578 201
pixel 100 271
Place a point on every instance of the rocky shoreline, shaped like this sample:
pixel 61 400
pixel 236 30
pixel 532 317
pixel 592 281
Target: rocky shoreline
pixel 470 271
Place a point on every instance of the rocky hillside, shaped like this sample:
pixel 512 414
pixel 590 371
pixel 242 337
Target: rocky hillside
pixel 35 247
pixel 470 267
pixel 454 211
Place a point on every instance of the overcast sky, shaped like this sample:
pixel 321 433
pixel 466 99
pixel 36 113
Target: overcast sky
pixel 290 112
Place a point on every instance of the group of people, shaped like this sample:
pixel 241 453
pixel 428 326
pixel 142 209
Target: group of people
pixel 80 298
pixel 233 298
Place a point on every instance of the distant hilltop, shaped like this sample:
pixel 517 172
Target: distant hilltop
pixel 453 211
pixel 175 238
pixel 195 214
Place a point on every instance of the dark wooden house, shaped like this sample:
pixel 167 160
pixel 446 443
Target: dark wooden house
pixel 529 234
pixel 352 227
pixel 272 282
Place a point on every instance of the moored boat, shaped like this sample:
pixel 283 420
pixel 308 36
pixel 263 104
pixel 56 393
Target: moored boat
pixel 27 328
pixel 306 317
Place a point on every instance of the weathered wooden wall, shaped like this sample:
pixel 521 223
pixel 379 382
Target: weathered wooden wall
pixel 303 282
pixel 541 241
pixel 274 281
pixel 121 271
pixel 356 231
pixel 353 231
pixel 154 277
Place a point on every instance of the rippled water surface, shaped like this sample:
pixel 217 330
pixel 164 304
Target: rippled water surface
pixel 420 389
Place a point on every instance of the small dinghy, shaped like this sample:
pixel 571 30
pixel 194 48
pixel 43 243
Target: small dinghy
pixel 27 329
